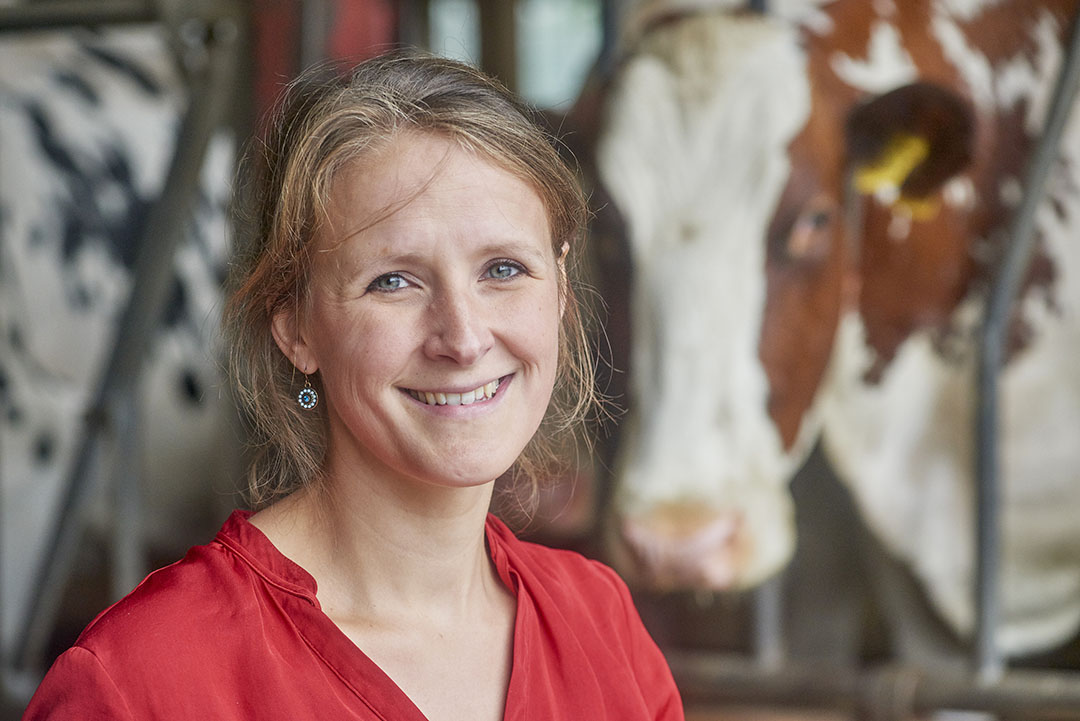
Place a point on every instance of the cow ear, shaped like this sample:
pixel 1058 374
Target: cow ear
pixel 904 145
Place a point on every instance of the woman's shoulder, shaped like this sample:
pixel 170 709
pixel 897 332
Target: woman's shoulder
pixel 192 598
pixel 231 619
pixel 170 598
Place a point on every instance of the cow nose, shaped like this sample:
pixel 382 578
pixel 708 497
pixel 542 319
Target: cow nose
pixel 686 547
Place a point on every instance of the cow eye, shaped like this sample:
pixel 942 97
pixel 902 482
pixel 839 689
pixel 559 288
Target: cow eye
pixel 819 219
pixel 811 236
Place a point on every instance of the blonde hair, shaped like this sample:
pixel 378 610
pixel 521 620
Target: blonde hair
pixel 324 120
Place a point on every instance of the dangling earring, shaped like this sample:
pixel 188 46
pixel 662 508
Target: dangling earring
pixel 307 398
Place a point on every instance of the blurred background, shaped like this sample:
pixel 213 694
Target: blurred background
pixel 120 126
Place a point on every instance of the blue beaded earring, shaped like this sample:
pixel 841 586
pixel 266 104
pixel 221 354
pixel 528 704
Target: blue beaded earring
pixel 307 398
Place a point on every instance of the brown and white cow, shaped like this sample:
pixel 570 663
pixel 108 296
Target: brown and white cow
pixel 811 209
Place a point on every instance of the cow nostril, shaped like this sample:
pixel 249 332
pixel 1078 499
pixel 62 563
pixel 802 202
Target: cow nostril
pixel 685 547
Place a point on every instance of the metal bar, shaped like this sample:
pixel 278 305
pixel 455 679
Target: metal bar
pixel 414 23
pixel 153 267
pixel 609 36
pixel 1006 287
pixel 498 40
pixel 59 555
pixel 75 13
pixel 128 555
pixel 713 678
pixel 316 20
pixel 886 693
pixel 769 650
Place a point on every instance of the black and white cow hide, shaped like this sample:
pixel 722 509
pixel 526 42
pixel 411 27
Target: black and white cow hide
pixel 88 123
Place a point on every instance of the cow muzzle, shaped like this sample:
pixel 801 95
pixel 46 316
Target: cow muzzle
pixel 683 546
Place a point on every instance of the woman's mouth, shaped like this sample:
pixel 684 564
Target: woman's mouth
pixel 442 398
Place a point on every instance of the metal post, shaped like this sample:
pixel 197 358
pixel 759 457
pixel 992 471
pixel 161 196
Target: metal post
pixel 74 13
pixel 609 35
pixel 769 650
pixel 414 24
pixel 316 21
pixel 1006 287
pixel 498 40
pixel 129 558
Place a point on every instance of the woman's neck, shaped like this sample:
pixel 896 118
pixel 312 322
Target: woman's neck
pixel 411 584
pixel 380 549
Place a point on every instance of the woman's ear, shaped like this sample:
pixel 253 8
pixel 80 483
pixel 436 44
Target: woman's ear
pixel 285 327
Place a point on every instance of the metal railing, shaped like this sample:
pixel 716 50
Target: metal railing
pixel 1004 290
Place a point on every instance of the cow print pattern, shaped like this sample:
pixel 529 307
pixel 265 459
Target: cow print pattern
pixel 88 122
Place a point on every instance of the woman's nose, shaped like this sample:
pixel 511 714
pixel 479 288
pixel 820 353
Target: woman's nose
pixel 459 329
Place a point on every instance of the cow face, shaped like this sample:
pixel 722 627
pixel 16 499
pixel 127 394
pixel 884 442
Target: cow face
pixel 739 163
pixel 695 156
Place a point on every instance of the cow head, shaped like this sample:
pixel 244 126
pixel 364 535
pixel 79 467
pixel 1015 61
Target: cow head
pixel 737 169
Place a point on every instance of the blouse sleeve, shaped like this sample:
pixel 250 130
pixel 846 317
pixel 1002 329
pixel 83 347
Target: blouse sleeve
pixel 650 667
pixel 77 687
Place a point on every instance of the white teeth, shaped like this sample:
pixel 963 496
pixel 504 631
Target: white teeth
pixel 484 392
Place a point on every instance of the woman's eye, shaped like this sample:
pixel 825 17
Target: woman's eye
pixel 503 270
pixel 388 283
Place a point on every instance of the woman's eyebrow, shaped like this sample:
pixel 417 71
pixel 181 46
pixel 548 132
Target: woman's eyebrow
pixel 510 247
pixel 490 249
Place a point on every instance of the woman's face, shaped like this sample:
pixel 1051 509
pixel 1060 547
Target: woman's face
pixel 435 328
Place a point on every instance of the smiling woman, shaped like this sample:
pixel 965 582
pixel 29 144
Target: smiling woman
pixel 403 330
pixel 332 129
pixel 461 287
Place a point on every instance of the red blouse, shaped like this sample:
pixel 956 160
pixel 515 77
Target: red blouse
pixel 234 631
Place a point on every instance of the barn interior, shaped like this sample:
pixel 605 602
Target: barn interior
pixel 121 122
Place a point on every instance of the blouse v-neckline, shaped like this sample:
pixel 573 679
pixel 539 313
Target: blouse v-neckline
pixel 371 684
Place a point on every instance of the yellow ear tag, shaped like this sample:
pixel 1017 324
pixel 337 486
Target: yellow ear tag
pixel 902 155
pixel 919 208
